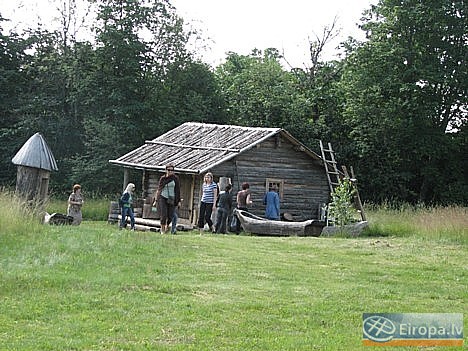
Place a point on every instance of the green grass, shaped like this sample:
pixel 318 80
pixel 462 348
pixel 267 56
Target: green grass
pixel 94 287
pixel 94 208
pixel 431 223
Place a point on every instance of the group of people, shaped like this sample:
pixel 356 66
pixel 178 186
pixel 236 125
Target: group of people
pixel 167 200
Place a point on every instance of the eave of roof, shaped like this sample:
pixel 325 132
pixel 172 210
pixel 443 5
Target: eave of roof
pixel 196 147
pixel 35 153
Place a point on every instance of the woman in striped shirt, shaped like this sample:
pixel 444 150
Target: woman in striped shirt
pixel 210 193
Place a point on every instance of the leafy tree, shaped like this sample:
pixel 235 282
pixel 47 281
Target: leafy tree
pixel 47 101
pixel 341 208
pixel 259 92
pixel 190 93
pixel 318 82
pixel 137 43
pixel 12 58
pixel 405 89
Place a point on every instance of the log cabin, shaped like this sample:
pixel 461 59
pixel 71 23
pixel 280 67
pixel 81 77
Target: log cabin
pixel 260 156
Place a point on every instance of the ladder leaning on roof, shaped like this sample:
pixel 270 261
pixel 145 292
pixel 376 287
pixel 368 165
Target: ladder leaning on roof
pixel 334 176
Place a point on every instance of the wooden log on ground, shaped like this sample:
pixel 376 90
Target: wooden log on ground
pixel 156 224
pixel 114 212
pixel 353 230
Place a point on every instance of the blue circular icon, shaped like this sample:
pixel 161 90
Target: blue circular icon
pixel 378 328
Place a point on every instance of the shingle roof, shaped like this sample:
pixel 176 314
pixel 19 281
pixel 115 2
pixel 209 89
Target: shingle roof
pixel 35 153
pixel 196 147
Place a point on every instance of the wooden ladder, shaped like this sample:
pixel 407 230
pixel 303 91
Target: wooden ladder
pixel 328 157
pixel 334 177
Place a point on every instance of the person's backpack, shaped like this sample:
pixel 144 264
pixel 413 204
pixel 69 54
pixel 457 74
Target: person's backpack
pixel 120 202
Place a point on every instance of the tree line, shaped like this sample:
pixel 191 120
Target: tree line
pixel 394 106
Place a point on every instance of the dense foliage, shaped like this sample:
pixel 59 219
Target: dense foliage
pixel 395 107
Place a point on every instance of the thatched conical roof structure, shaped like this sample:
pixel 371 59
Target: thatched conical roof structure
pixel 35 161
pixel 35 153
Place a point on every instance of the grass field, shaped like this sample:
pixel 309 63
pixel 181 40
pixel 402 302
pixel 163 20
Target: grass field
pixel 94 287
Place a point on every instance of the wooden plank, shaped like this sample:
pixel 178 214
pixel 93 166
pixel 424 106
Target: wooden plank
pixel 191 146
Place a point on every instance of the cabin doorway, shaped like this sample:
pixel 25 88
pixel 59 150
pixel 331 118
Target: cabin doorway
pixel 186 194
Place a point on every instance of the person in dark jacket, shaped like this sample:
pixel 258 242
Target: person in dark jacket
pixel 126 203
pixel 224 206
pixel 167 197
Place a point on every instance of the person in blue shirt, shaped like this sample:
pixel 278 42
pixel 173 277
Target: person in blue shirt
pixel 272 202
pixel 210 194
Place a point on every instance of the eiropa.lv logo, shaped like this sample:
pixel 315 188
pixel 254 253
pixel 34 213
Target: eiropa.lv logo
pixel 378 328
pixel 412 329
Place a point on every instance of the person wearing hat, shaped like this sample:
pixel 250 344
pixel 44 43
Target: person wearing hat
pixel 75 202
pixel 126 202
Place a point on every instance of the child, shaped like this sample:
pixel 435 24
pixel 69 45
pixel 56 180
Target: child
pixel 224 206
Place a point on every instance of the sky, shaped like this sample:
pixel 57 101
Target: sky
pixel 243 25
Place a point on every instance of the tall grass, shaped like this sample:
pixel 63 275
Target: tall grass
pixel 94 287
pixel 17 216
pixel 94 208
pixel 436 223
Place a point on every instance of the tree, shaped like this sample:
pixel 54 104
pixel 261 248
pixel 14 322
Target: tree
pixel 137 43
pixel 12 57
pixel 190 93
pixel 258 92
pixel 405 89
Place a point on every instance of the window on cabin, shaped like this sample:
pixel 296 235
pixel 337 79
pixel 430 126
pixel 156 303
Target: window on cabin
pixel 278 183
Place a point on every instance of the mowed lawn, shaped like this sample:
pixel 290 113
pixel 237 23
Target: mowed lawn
pixel 94 287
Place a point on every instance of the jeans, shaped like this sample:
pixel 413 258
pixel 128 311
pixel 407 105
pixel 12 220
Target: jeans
pixel 127 211
pixel 175 217
pixel 221 219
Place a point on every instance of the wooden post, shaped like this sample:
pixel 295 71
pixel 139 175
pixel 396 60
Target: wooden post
pixel 223 181
pixel 126 177
pixel 358 198
pixel 194 213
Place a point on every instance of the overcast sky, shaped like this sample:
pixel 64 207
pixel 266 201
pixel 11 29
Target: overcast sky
pixel 242 25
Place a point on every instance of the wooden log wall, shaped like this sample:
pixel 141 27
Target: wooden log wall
pixel 305 182
pixel 150 185
pixel 32 183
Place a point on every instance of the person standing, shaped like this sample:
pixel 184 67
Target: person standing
pixel 167 196
pixel 75 202
pixel 126 202
pixel 244 200
pixel 210 193
pixel 224 206
pixel 272 202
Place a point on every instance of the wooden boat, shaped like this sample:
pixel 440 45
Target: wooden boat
pixel 258 225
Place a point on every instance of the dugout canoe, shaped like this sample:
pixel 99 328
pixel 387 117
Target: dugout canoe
pixel 261 226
